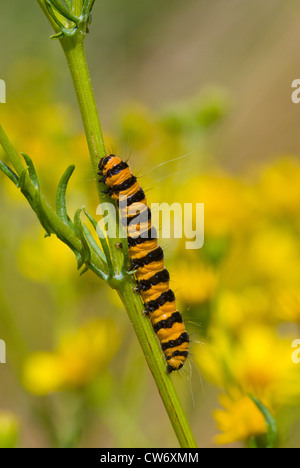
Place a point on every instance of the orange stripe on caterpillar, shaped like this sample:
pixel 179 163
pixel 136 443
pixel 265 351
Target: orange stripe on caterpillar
pixel 148 260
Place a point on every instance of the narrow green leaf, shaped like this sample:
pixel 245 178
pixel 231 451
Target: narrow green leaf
pixel 79 258
pixel 87 8
pixel 31 171
pixel 35 201
pixel 103 241
pixel 9 173
pixel 270 421
pixel 99 273
pixel 93 243
pixel 53 16
pixel 125 249
pixel 63 10
pixel 77 222
pixel 23 186
pixel 131 272
pixel 85 270
pixel 79 231
pixel 21 181
pixel 58 35
pixel 61 207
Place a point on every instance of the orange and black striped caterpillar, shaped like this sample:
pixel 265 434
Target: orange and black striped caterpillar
pixel 147 258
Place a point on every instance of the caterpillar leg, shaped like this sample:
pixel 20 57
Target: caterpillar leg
pixel 132 268
pixel 108 191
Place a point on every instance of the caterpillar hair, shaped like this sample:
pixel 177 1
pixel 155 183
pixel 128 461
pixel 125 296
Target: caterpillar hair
pixel 147 258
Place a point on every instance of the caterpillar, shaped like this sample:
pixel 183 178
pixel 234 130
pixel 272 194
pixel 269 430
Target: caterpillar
pixel 147 258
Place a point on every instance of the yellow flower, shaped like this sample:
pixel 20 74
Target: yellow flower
pixel 45 260
pixel 94 346
pixel 196 283
pixel 214 359
pixel 79 358
pixel 259 362
pixel 43 373
pixel 9 430
pixel 274 254
pixel 263 364
pixel 288 305
pixel 236 308
pixel 240 420
pixel 223 198
pixel 279 188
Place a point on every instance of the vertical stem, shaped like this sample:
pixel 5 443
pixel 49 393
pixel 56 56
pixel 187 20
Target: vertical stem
pixel 157 365
pixel 75 55
pixel 77 7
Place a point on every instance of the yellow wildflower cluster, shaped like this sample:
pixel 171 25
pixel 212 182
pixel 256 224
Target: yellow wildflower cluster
pixel 78 359
pixel 244 283
pixel 240 419
pixel 247 347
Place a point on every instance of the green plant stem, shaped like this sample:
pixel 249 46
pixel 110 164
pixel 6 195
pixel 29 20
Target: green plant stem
pixel 77 7
pixel 75 55
pixel 11 152
pixel 74 51
pixel 157 365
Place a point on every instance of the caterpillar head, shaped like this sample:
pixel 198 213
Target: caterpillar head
pixel 104 162
pixel 109 162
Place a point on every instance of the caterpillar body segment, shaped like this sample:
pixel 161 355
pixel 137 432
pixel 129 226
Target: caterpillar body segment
pixel 147 259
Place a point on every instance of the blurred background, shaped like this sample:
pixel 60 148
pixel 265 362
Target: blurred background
pixel 210 81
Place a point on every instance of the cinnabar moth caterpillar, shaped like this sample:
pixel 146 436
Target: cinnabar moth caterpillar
pixel 147 258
